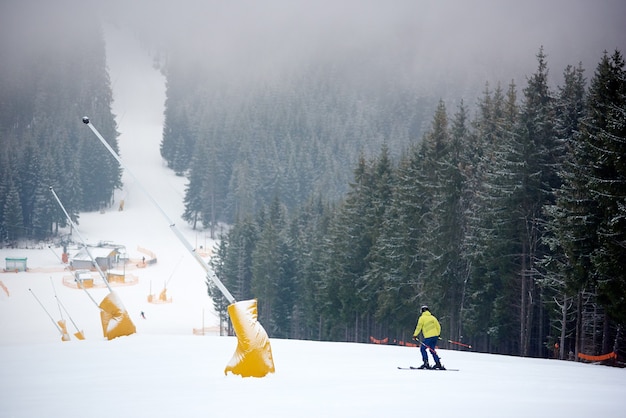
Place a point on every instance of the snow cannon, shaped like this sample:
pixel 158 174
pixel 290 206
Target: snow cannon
pixel 60 325
pixel 115 319
pixel 253 356
pixel 65 336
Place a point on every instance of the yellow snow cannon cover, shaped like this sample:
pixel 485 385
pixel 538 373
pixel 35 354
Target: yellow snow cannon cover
pixel 65 336
pixel 253 357
pixel 115 320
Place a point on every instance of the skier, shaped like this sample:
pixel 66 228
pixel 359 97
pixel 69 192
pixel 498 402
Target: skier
pixel 430 328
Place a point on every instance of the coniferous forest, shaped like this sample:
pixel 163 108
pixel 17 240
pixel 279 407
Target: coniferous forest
pixel 352 198
pixel 44 85
pixel 509 223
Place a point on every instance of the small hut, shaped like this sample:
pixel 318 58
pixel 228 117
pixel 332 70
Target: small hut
pixel 16 264
pixel 105 255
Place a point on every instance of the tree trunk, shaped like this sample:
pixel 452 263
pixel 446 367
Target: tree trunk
pixel 319 328
pixel 563 328
pixel 524 303
pixel 605 335
pixel 579 324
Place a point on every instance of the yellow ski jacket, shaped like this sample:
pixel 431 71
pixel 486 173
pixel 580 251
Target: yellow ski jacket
pixel 428 325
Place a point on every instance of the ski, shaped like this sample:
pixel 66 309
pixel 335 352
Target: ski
pixel 417 368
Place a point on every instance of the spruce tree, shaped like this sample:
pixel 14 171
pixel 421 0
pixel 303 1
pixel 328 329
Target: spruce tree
pixel 567 263
pixel 271 269
pixel 394 265
pixel 435 240
pixel 492 225
pixel 540 156
pixel 307 230
pixel 604 134
pixel 350 235
pixel 12 220
pixel 194 190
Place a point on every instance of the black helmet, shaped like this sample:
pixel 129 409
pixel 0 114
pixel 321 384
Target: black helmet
pixel 425 308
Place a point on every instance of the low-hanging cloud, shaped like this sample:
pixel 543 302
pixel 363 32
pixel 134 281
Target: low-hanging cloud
pixel 422 41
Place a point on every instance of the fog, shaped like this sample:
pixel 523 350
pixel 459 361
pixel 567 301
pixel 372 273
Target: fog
pixel 452 43
pixel 433 41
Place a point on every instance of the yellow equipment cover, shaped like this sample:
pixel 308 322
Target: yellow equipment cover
pixel 115 320
pixel 65 336
pixel 253 357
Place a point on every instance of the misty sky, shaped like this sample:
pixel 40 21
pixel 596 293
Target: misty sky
pixel 430 40
pixel 466 38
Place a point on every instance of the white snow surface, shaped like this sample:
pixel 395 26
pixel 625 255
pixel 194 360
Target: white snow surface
pixel 164 370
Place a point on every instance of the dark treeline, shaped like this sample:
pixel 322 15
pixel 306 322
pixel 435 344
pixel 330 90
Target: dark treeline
pixel 46 84
pixel 240 144
pixel 509 223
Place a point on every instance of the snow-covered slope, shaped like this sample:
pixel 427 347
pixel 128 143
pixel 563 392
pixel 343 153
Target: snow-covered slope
pixel 164 370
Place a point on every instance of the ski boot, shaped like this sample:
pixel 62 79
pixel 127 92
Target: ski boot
pixel 438 366
pixel 424 366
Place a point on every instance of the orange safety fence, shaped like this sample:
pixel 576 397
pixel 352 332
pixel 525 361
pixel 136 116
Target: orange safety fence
pixel 152 258
pixel 609 356
pixel 206 331
pixel 4 288
pixel 396 342
pixel 407 344
pixel 126 280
